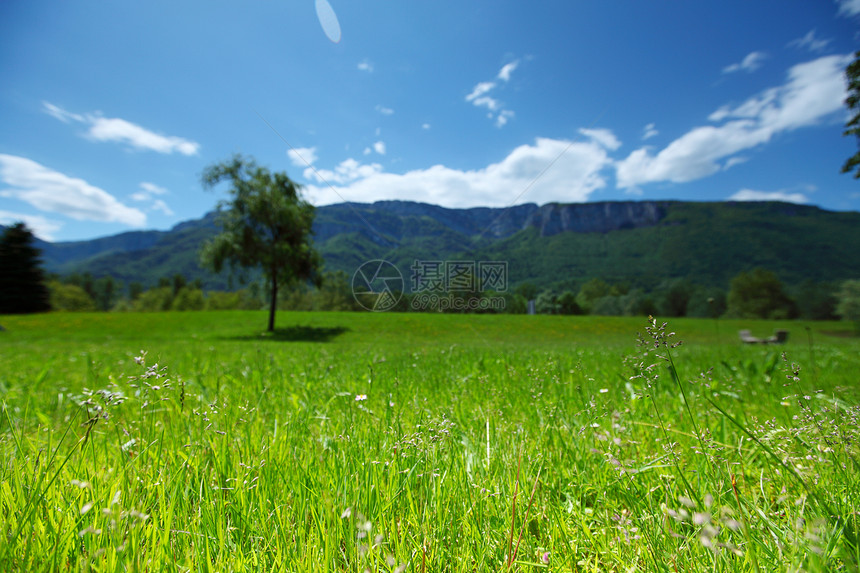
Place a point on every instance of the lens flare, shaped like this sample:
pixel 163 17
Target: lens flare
pixel 328 20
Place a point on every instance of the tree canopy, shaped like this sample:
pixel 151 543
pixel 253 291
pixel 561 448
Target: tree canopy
pixel 759 294
pixel 265 224
pixel 852 127
pixel 22 283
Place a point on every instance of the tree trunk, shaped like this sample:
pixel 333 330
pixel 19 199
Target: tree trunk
pixel 274 304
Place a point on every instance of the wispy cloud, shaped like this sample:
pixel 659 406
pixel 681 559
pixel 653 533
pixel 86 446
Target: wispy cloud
pixel 145 194
pixel 55 192
pixel 810 42
pixel 365 66
pixel 118 130
pixel 153 189
pixel 425 126
pixel 479 90
pixel 503 117
pixel 813 91
pixel 548 170
pixel 751 195
pixel 602 136
pixel 60 113
pixel 750 63
pixel 649 131
pixel 479 96
pixel 42 227
pixel 302 156
pixel 384 110
pixel 159 205
pixel 849 7
pixel 379 147
pixel 507 70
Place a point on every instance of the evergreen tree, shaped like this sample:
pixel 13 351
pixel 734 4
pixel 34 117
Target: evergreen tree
pixel 22 282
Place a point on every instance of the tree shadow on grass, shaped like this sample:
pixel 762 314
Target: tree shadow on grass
pixel 296 334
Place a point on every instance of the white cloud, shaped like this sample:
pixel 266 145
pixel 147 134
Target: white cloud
pixel 548 170
pixel 379 147
pixel 849 7
pixel 122 131
pixel 479 90
pixel 41 227
pixel 810 42
pixel 602 136
pixel 61 114
pixel 54 192
pixel 750 63
pixel 479 96
pixel 649 131
pixel 732 161
pixel 491 104
pixel 812 91
pixel 365 66
pixel 146 194
pixel 751 195
pixel 302 156
pixel 153 188
pixel 159 205
pixel 347 171
pixel 507 69
pixel 425 126
pixel 503 117
pixel 384 110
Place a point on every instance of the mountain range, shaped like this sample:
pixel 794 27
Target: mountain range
pixel 558 246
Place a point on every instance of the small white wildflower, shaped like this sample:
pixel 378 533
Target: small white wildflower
pixel 87 506
pixel 346 513
pixel 604 390
pixel 360 397
pixel 686 501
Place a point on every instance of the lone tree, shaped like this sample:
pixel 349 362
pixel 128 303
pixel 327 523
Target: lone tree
pixel 852 74
pixel 22 284
pixel 265 224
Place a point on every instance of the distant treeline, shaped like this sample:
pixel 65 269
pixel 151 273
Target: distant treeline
pixel 755 294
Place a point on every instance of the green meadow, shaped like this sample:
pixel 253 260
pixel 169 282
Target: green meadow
pixel 419 442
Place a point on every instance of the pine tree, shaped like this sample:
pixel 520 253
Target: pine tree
pixel 22 284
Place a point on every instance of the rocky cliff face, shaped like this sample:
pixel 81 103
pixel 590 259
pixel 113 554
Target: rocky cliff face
pixel 396 219
pixel 554 218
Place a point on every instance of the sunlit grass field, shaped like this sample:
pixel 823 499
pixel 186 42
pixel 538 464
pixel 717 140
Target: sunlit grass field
pixel 420 442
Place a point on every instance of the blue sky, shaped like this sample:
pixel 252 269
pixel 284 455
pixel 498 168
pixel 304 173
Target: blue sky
pixel 110 111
